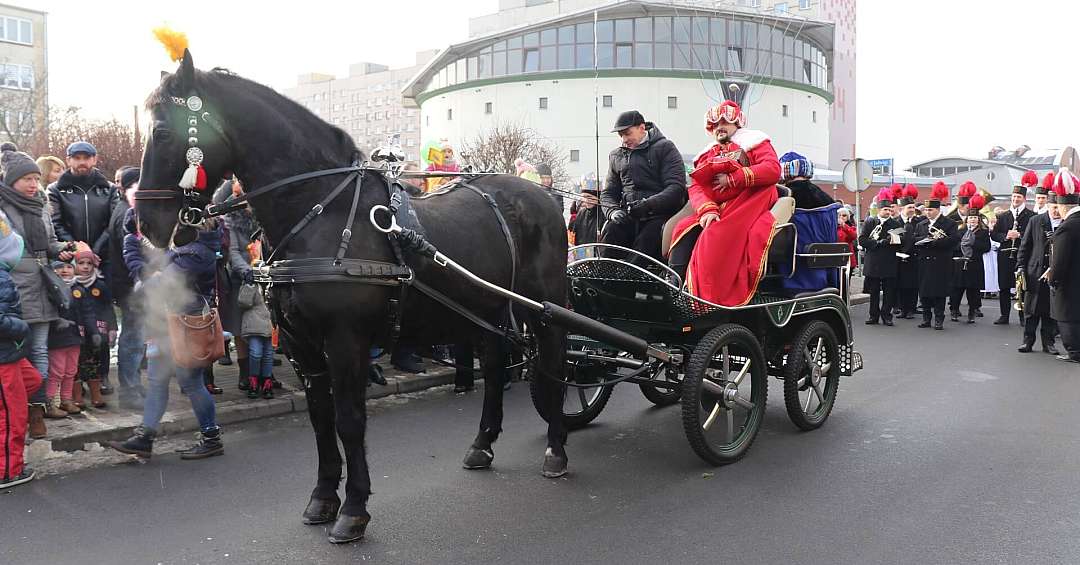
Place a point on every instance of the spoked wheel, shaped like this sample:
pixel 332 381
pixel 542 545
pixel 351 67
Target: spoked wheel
pixel 581 405
pixel 664 396
pixel 812 375
pixel 724 393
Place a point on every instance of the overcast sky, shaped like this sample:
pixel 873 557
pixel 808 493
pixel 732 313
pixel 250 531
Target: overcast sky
pixel 935 77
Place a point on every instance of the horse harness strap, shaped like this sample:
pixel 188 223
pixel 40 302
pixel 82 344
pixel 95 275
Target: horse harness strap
pixel 509 243
pixel 324 269
pixel 315 211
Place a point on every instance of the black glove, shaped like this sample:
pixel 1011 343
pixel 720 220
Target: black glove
pixel 95 342
pixel 619 217
pixel 249 276
pixel 640 208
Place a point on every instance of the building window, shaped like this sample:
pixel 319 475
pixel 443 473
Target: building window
pixel 804 4
pixel 753 3
pixel 487 107
pixel 780 7
pixel 543 103
pixel 16 30
pixel 813 115
pixel 20 77
pixel 450 113
pixel 532 60
pixel 783 110
pixel 575 155
pixel 607 101
pixel 672 102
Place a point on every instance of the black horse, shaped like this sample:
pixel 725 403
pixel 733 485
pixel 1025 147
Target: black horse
pixel 248 129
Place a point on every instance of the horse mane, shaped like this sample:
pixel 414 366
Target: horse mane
pixel 316 140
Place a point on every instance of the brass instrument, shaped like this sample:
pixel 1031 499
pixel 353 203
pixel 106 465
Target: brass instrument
pixel 895 234
pixel 1021 291
pixel 934 234
pixel 875 234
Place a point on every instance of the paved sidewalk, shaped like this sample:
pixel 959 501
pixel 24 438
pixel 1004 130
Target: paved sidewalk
pixel 96 426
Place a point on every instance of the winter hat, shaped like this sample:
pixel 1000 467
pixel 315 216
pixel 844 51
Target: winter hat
pixel 17 165
pixel 129 177
pixel 794 165
pixel 57 264
pixel 526 171
pixel 727 111
pixel 543 169
pixel 11 244
pixel 83 251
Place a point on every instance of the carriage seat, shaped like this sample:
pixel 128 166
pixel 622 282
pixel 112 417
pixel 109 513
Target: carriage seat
pixel 782 210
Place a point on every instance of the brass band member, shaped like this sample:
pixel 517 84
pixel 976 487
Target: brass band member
pixel 1007 231
pixel 936 238
pixel 907 275
pixel 1033 263
pixel 1065 265
pixel 879 265
pixel 968 273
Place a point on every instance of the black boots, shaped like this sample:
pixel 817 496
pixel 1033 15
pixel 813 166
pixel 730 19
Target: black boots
pixel 209 446
pixel 140 444
pixel 242 362
pixel 252 387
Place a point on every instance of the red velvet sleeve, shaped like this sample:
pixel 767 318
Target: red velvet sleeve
pixel 764 169
pixel 702 198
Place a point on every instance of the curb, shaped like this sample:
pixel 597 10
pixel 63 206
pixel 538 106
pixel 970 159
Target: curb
pixel 861 298
pixel 233 411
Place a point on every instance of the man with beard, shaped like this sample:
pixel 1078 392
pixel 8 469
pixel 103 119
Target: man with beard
pixel 936 240
pixel 1007 231
pixel 1065 265
pixel 645 185
pixel 907 274
pixel 879 264
pixel 1033 262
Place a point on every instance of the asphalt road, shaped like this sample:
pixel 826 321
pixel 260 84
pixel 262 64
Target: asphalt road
pixel 949 448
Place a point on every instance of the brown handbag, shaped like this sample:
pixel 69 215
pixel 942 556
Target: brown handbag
pixel 197 339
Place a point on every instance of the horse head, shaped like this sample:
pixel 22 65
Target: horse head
pixel 187 154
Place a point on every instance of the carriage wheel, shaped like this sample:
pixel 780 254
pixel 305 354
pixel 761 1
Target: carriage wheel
pixel 812 375
pixel 581 405
pixel 724 393
pixel 664 396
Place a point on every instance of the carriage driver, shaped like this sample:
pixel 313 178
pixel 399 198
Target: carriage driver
pixel 645 186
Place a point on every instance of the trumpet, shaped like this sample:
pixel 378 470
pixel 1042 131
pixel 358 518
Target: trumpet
pixel 1021 291
pixel 933 234
pixel 875 234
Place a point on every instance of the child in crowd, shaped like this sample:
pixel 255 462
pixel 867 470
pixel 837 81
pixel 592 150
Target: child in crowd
pixel 18 378
pixel 65 339
pixel 256 330
pixel 91 298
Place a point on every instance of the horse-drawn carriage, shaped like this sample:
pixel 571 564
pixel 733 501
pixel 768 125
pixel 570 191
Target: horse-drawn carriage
pixel 719 358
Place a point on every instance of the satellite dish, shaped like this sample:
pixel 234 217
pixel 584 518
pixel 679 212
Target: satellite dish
pixel 858 175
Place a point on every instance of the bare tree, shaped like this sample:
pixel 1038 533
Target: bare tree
pixel 118 143
pixel 497 148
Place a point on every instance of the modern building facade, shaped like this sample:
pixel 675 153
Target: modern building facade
pixel 24 99
pixel 1001 169
pixel 367 104
pixel 567 68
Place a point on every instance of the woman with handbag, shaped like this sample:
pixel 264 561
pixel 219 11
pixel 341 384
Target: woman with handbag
pixel 39 288
pixel 186 338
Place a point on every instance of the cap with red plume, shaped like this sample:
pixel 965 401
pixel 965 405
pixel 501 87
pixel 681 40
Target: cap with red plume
pixel 1067 188
pixel 938 194
pixel 1029 179
pixel 965 192
pixel 885 197
pixel 908 195
pixel 896 190
pixel 1046 185
pixel 975 204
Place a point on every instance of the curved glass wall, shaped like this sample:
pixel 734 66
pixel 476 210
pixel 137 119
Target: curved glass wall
pixel 720 48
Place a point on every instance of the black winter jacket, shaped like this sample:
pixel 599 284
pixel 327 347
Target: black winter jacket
pixel 65 331
pixel 82 208
pixel 95 310
pixel 119 277
pixel 1065 271
pixel 653 172
pixel 13 330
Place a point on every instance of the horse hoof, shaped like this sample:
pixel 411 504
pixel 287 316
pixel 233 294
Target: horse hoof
pixel 554 465
pixel 348 528
pixel 478 458
pixel 321 511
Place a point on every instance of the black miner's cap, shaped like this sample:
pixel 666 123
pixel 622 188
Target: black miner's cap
pixel 628 119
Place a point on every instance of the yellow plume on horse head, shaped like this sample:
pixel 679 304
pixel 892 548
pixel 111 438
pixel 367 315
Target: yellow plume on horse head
pixel 175 42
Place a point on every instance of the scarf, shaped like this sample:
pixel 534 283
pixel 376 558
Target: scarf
pixel 35 236
pixel 88 280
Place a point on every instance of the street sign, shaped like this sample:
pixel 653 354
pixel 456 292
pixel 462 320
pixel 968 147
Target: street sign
pixel 858 174
pixel 883 167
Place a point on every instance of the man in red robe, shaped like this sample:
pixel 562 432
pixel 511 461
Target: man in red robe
pixel 733 190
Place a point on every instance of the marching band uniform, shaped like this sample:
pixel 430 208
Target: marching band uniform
pixel 935 259
pixel 1016 218
pixel 1033 259
pixel 959 214
pixel 968 272
pixel 907 274
pixel 1065 266
pixel 880 261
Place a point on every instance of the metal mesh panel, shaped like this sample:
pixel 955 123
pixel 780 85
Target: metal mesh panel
pixel 610 277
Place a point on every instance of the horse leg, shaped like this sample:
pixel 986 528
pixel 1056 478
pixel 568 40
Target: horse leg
pixel 551 342
pixel 348 357
pixel 324 503
pixel 496 354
